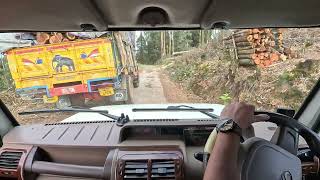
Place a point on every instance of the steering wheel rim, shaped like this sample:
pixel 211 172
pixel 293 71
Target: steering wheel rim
pixel 312 139
pixel 277 158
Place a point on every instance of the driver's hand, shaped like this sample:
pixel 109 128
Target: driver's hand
pixel 242 114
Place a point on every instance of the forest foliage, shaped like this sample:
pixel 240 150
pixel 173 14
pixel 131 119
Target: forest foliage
pixel 154 45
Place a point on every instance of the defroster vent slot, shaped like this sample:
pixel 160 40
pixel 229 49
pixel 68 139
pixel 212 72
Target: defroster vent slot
pixel 10 160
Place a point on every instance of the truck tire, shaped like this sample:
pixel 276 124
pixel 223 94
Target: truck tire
pixel 63 102
pixel 77 100
pixel 136 82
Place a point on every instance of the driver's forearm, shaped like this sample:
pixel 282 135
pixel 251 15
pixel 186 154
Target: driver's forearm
pixel 222 164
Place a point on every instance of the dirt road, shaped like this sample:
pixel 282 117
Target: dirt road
pixel 156 87
pixel 150 89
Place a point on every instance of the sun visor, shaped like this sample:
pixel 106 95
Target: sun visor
pixel 253 13
pixel 46 15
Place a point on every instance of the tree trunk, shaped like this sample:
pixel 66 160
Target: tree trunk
pixel 163 44
pixel 244 48
pixel 170 43
pixel 70 36
pixel 241 34
pixel 242 31
pixel 246 62
pixel 246 51
pixel 55 39
pixel 208 36
pixel 202 38
pixel 172 35
pixel 244 56
pixel 241 39
pixel 42 37
pixel 242 44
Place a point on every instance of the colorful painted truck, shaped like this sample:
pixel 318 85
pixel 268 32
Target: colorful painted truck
pixel 70 73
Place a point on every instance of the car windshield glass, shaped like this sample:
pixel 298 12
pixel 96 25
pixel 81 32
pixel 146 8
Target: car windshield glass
pixel 117 72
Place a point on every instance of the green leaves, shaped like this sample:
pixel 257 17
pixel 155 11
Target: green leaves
pixel 226 98
pixel 148 45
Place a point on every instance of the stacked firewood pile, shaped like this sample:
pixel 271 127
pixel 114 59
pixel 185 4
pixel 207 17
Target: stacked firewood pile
pixel 55 37
pixel 261 47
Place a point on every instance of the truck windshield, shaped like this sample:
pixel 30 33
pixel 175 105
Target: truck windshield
pixel 170 70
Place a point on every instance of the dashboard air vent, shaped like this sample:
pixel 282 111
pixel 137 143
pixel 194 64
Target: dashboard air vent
pixel 163 169
pixel 136 170
pixel 10 160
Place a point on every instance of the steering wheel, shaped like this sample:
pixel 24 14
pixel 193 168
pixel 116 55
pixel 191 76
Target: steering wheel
pixel 276 159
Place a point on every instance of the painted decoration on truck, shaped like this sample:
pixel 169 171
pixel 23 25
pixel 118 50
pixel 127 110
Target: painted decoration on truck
pixel 91 56
pixel 58 62
pixel 28 62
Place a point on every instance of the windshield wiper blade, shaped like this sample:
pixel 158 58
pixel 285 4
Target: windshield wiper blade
pixel 120 120
pixel 171 109
pixel 205 111
pixel 213 116
pixel 61 110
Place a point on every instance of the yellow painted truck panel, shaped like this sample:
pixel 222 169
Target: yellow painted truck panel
pixel 75 71
pixel 52 64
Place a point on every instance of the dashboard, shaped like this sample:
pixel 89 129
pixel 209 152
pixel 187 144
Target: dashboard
pixel 102 150
pixel 141 149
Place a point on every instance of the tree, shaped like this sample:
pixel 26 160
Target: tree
pixel 141 49
pixel 163 43
pixel 201 37
pixel 168 35
pixel 149 47
pixel 194 38
pixel 181 40
pixel 153 46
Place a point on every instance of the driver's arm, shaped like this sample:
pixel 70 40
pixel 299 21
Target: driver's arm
pixel 222 164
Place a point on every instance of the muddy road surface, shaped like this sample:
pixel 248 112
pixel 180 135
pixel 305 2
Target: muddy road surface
pixel 157 87
pixel 150 90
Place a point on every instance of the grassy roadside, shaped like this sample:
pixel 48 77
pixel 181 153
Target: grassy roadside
pixel 210 73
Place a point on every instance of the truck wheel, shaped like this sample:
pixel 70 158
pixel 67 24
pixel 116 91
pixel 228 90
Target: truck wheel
pixel 63 102
pixel 77 100
pixel 136 82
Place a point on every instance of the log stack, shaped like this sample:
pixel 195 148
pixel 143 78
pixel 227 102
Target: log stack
pixel 261 47
pixel 54 37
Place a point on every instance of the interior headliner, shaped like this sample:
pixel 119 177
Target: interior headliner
pixel 101 15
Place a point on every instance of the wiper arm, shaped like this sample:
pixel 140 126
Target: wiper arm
pixel 213 116
pixel 120 120
pixel 205 111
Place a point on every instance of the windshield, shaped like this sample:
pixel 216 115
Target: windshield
pixel 120 71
